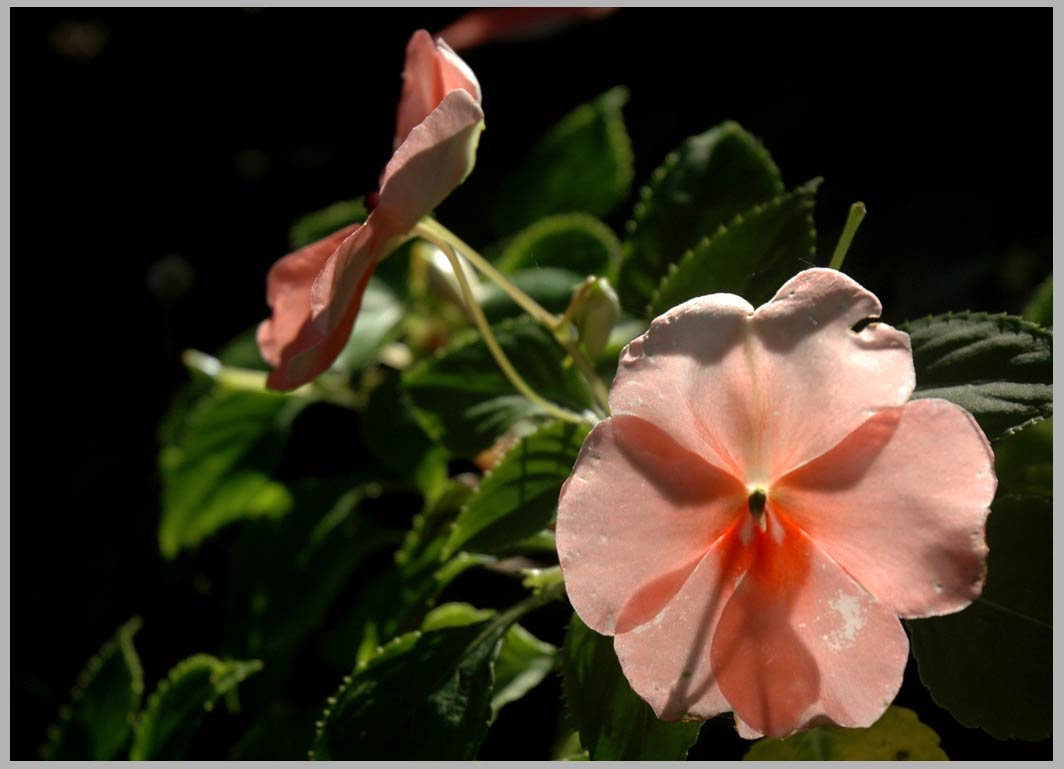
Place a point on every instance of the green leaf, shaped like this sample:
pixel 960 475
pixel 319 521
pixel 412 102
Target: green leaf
pixel 465 402
pixel 998 367
pixel 97 722
pixel 179 704
pixel 426 695
pixel 394 599
pixel 317 225
pixel 286 573
pixel 897 736
pixel 751 256
pixel 280 733
pixel 389 429
pixel 219 469
pixel 991 665
pixel 584 163
pixel 1024 461
pixel 708 181
pixel 614 722
pixel 381 311
pixel 575 242
pixel 523 661
pixel 551 287
pixel 1040 309
pixel 519 497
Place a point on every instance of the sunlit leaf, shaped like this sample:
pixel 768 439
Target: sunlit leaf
pixel 220 468
pixel 897 736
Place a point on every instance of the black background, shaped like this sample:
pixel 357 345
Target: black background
pixel 154 180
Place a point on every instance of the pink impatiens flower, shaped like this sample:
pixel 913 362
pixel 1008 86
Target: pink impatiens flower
pixel 315 292
pixel 764 504
pixel 487 25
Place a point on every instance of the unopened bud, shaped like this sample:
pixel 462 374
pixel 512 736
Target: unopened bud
pixel 432 272
pixel 596 311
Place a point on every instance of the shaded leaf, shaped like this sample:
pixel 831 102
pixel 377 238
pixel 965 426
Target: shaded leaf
pixel 1024 461
pixel 991 665
pixel 285 574
pixel 897 736
pixel 613 721
pixel 97 722
pixel 394 599
pixel 426 695
pixel 219 467
pixel 575 242
pixel 181 701
pixel 550 287
pixel 316 225
pixel 584 163
pixel 750 256
pixel 1040 308
pixel 465 402
pixel 998 367
pixel 519 497
pixel 281 733
pixel 390 431
pixel 706 182
pixel 523 660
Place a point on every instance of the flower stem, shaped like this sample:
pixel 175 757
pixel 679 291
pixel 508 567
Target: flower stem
pixel 853 221
pixel 493 345
pixel 446 240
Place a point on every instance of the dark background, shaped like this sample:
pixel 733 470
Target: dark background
pixel 159 157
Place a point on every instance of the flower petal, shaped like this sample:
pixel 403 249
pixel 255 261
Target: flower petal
pixel 288 293
pixel 432 70
pixel 821 379
pixel 901 505
pixel 496 24
pixel 435 157
pixel 334 299
pixel 800 643
pixel 687 375
pixel 634 520
pixel 760 393
pixel 667 659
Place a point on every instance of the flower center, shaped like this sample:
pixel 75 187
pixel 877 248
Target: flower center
pixel 756 502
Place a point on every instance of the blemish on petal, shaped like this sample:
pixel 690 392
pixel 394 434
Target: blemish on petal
pixel 848 607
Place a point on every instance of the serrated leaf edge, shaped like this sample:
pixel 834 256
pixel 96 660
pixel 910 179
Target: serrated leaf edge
pixel 757 210
pixel 647 191
pixel 448 549
pixel 554 224
pixel 240 669
pixel 123 639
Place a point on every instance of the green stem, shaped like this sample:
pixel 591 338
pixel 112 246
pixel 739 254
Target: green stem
pixel 437 234
pixel 853 221
pixel 255 381
pixel 493 345
pixel 444 239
